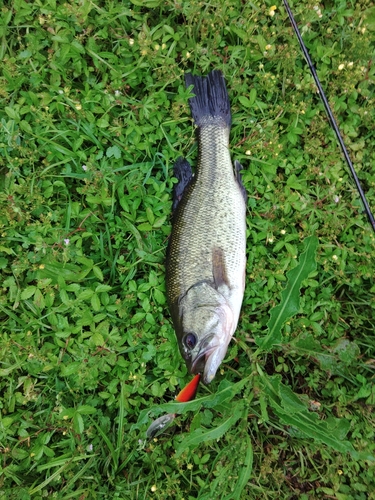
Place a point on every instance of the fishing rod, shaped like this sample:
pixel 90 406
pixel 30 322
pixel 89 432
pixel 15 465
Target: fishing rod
pixel 330 116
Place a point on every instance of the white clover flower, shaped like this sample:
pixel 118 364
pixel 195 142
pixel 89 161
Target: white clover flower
pixel 341 67
pixel 335 257
pixel 283 231
pixel 131 41
pixel 84 167
pixel 336 199
pixel 66 241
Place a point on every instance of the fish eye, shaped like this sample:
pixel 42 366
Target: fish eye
pixel 190 340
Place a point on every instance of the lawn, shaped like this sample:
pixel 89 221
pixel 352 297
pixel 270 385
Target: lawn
pixel 93 114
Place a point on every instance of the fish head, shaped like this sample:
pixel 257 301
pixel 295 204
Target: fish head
pixel 206 329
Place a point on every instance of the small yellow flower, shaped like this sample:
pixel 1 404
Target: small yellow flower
pixel 283 231
pixel 268 47
pixel 271 12
pixel 189 466
pixel 131 41
pixel 41 266
pixel 335 257
pixel 341 67
pixel 153 488
pixel 248 152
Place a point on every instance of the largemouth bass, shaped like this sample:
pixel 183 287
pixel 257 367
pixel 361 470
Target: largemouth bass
pixel 206 255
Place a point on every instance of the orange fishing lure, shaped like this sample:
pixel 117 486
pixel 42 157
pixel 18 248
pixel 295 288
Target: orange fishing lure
pixel 189 391
pixel 187 394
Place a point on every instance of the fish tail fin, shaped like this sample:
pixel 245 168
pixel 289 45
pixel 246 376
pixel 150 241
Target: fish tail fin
pixel 211 101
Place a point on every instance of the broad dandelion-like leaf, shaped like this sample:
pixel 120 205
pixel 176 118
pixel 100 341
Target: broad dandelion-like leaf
pixel 290 297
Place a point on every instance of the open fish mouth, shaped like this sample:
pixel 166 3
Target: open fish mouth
pixel 208 361
pixel 198 364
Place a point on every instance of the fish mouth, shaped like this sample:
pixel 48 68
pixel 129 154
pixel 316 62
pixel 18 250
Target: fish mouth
pixel 198 364
pixel 208 361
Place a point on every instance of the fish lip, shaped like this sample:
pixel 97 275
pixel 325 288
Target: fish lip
pixel 208 361
pixel 195 364
pixel 213 361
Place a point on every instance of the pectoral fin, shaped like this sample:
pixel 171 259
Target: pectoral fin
pixel 183 172
pixel 237 169
pixel 218 268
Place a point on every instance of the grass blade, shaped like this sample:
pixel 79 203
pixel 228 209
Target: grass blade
pixel 245 472
pixel 203 435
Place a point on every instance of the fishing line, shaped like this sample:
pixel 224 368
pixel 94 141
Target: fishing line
pixel 330 116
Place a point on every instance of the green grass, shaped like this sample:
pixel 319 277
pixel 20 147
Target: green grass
pixel 93 114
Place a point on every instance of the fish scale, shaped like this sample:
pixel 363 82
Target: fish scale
pixel 206 252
